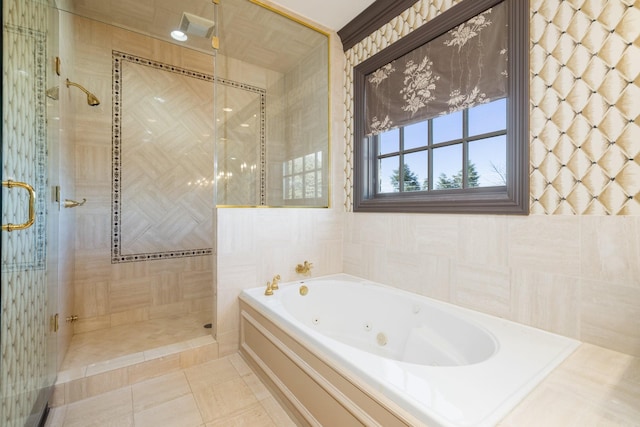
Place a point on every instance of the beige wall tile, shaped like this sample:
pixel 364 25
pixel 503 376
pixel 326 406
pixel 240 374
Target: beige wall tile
pixel 482 288
pixel 611 249
pixel 92 265
pixel 197 284
pixel 545 243
pixel 92 324
pixel 130 316
pixel 92 298
pixel 546 301
pixel 129 294
pixel 483 240
pixel 228 315
pixel 610 315
pixel 228 342
pixel 168 310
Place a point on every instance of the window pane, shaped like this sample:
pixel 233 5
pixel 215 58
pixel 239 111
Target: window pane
pixel 488 159
pixel 447 167
pixel 309 185
pixel 416 171
pixel 389 141
pixel 288 192
pixel 297 165
pixel 489 117
pixel 447 128
pixel 416 135
pixel 388 175
pixel 297 187
pixel 309 162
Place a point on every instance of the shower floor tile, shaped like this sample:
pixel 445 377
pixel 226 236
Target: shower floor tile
pixel 123 341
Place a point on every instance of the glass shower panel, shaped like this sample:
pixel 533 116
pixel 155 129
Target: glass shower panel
pixel 240 143
pixel 282 65
pixel 27 357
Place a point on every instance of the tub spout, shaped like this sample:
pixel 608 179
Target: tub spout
pixel 304 268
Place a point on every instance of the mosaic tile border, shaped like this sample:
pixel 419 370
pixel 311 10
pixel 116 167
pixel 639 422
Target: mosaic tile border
pixel 39 231
pixel 118 58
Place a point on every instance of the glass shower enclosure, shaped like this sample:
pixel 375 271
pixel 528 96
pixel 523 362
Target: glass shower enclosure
pixel 28 249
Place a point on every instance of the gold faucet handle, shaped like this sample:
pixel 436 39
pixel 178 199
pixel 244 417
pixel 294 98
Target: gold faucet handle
pixel 274 283
pixel 269 290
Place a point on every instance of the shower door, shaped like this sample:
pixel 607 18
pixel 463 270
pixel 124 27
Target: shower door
pixel 28 240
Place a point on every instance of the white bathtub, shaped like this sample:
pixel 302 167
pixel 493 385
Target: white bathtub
pixel 442 364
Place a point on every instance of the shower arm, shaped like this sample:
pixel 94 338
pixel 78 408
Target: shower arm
pixel 91 98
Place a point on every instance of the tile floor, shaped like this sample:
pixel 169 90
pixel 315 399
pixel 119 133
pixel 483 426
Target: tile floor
pixel 222 392
pixel 106 344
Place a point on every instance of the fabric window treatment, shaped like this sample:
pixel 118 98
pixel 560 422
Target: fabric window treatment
pixel 464 67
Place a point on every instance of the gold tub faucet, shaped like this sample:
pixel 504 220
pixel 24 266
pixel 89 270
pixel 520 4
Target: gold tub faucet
pixel 274 282
pixel 269 290
pixel 304 268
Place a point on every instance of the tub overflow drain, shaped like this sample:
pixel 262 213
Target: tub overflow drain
pixel 381 338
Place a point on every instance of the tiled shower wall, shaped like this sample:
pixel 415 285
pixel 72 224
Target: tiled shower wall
pixel 109 294
pixel 572 266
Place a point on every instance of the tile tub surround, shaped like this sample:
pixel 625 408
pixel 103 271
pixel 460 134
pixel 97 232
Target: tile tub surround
pixel 572 275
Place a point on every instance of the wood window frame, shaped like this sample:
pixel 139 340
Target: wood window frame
pixel 510 199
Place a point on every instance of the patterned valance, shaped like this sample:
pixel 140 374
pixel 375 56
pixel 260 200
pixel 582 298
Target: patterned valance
pixel 464 67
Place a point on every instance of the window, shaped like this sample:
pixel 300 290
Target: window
pixel 458 150
pixel 302 177
pixel 431 155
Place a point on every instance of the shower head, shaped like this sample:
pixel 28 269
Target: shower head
pixel 92 100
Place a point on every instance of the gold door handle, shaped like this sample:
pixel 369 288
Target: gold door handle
pixel 32 206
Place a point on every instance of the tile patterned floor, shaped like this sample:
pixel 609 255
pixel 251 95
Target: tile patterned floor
pixel 105 344
pixel 223 392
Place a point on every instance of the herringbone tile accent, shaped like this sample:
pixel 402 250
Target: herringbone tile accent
pixel 166 152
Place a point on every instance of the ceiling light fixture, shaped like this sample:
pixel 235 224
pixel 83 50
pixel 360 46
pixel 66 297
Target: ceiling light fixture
pixel 179 35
